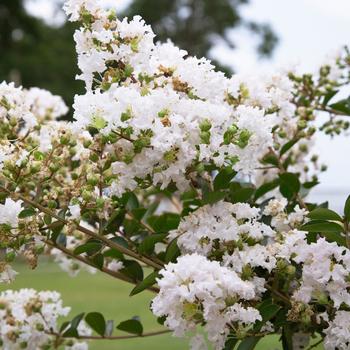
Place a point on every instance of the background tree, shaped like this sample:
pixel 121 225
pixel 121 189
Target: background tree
pixel 34 53
pixel 196 25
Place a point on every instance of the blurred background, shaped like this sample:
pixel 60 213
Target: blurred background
pixel 242 36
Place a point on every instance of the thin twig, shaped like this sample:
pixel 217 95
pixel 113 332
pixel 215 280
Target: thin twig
pixel 82 259
pixel 88 232
pixel 93 337
pixel 276 292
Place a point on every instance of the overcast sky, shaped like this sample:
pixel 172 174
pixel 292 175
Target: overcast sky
pixel 309 31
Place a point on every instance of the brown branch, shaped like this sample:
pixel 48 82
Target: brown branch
pixel 88 232
pixel 92 337
pixel 82 259
pixel 277 293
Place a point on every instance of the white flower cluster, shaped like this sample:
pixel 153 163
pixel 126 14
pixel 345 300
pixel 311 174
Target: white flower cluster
pixel 326 268
pixel 338 332
pixel 21 111
pixel 198 290
pixel 169 112
pixel 9 212
pixel 232 235
pixel 30 106
pixel 219 226
pixel 27 317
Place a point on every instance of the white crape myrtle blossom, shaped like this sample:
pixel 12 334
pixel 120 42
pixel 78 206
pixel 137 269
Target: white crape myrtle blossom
pixel 214 226
pixel 281 220
pixel 9 212
pixel 27 316
pixel 7 273
pixel 115 265
pixel 14 105
pixel 29 106
pixel 325 269
pixel 198 343
pixel 45 105
pixel 195 289
pixel 155 123
pixel 338 332
pixel 174 111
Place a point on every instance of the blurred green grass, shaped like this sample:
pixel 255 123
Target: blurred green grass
pixel 86 293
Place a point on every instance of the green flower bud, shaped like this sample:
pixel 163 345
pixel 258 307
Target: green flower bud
pixel 244 137
pixel 94 157
pixel 64 140
pixel 87 143
pixel 52 204
pixel 92 180
pixel 205 137
pixel 39 327
pixel 10 257
pixel 290 270
pixel 230 134
pixel 13 121
pixel 87 195
pixel 205 125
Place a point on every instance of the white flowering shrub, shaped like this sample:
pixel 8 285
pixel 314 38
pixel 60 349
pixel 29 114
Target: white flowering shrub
pixel 180 181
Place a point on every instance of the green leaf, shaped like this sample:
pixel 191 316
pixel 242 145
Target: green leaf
pixel 266 187
pixel 165 222
pixel 132 201
pixel 64 326
pixel 286 147
pixel 113 253
pixel 270 159
pixel 149 281
pixel 289 185
pixel 310 184
pixel 98 261
pixel 147 245
pixel 97 322
pixel 242 195
pixel 56 230
pixel 324 214
pixel 230 344
pixel 115 221
pixel 321 226
pixel 25 213
pixel 133 270
pixel 267 310
pixel 223 178
pixel 131 326
pixel 172 251
pixel 287 338
pixel 342 106
pixel 121 241
pixel 213 197
pixel 347 209
pixel 89 248
pixel 248 343
pixel 329 96
pixel 72 330
pixel 138 213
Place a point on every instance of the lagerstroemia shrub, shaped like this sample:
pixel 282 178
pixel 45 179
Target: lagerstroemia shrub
pixel 182 182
